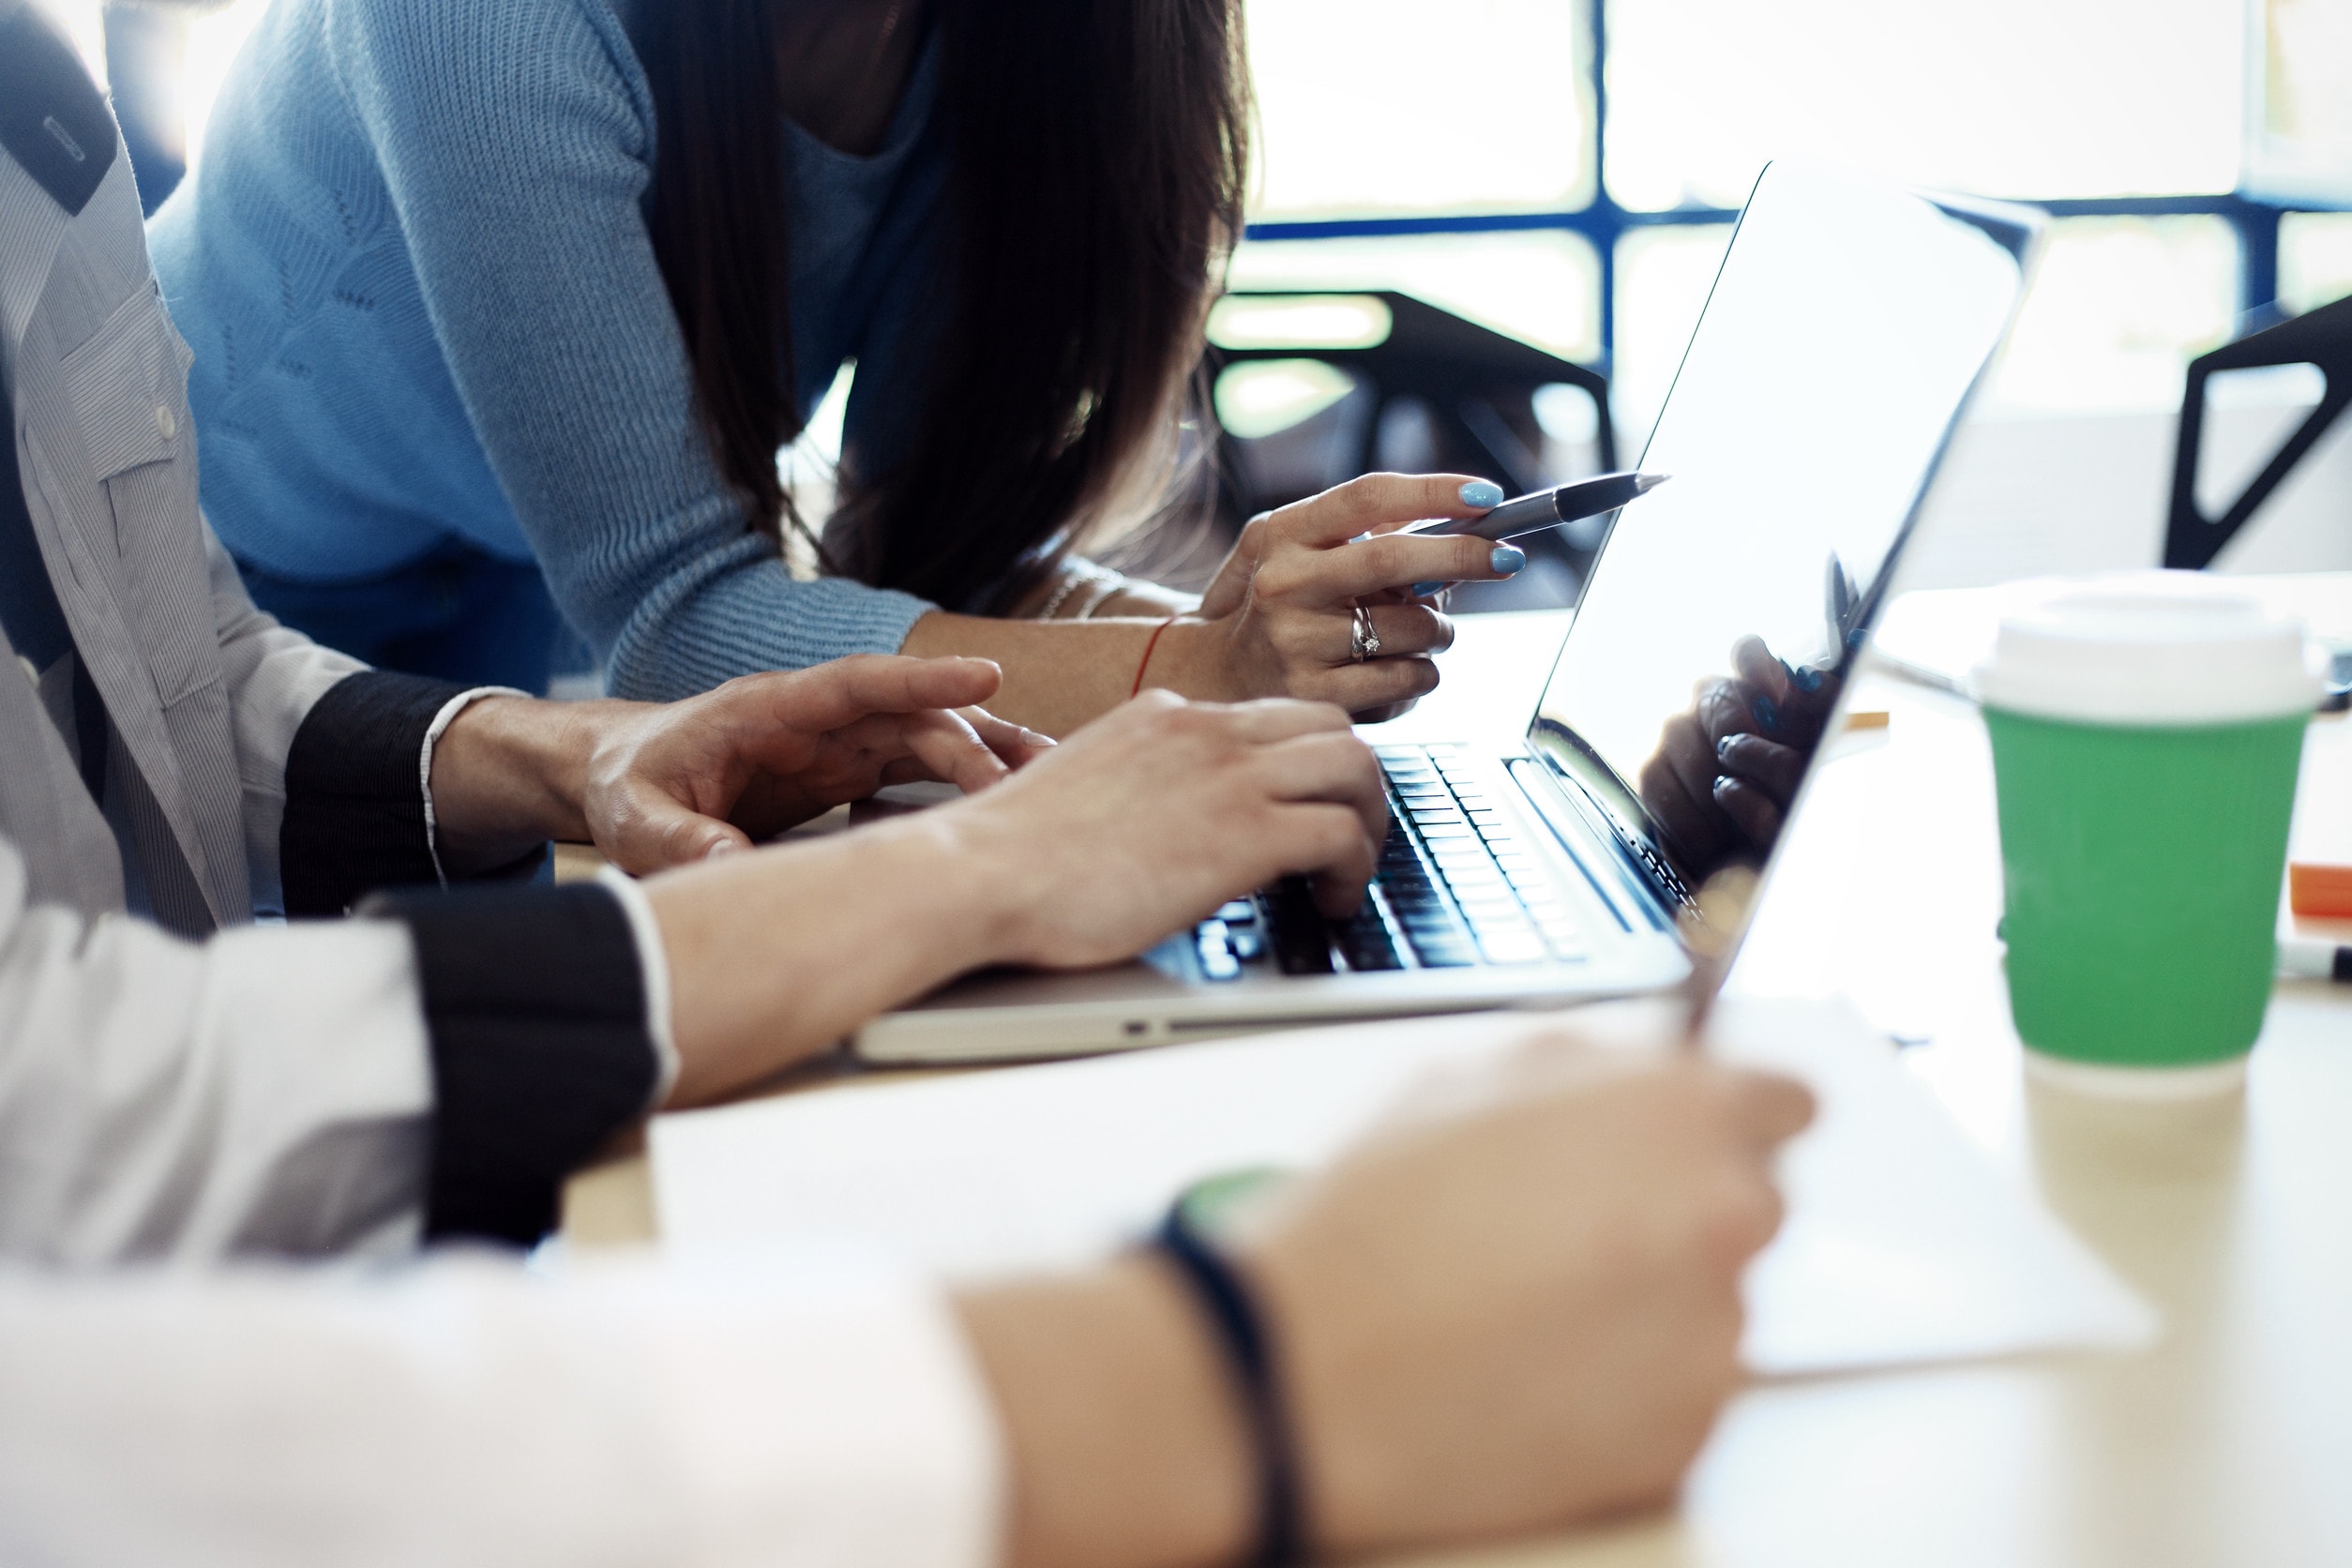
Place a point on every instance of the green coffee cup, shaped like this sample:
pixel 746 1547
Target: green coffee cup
pixel 2147 732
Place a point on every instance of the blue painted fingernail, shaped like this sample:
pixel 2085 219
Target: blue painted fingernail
pixel 1507 559
pixel 1422 590
pixel 1482 493
pixel 1806 677
pixel 1767 714
pixel 1722 748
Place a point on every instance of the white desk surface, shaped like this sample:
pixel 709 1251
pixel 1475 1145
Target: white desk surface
pixel 2230 1442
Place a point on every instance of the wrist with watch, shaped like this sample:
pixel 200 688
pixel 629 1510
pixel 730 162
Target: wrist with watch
pixel 1193 1238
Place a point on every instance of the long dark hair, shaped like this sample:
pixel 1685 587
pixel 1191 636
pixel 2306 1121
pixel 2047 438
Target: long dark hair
pixel 1097 152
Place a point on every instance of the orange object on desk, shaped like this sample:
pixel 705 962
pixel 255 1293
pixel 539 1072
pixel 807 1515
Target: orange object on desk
pixel 2313 889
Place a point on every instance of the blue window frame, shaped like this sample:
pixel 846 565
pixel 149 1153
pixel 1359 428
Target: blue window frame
pixel 1602 223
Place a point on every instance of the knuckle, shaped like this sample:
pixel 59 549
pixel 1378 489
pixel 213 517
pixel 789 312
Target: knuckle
pixel 1413 677
pixel 1278 578
pixel 1287 522
pixel 1298 640
pixel 1744 1214
pixel 1335 831
pixel 1174 715
pixel 1155 710
pixel 1362 494
pixel 1385 555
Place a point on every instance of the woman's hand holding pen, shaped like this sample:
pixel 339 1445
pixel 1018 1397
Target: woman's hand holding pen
pixel 1315 601
pixel 1281 617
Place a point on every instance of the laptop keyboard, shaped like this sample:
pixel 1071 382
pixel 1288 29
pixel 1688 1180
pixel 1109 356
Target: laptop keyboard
pixel 1454 888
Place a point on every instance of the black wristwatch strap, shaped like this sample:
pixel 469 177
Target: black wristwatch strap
pixel 1226 1299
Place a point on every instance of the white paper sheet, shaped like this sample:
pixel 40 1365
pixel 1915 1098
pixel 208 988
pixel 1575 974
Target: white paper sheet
pixel 1903 1244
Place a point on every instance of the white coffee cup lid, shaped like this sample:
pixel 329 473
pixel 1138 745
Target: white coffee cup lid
pixel 2149 648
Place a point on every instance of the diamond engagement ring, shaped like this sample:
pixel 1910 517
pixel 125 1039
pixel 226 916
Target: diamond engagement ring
pixel 1367 641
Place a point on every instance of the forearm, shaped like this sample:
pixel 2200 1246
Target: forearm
pixel 1081 590
pixel 1126 1448
pixel 1060 675
pixel 777 952
pixel 511 772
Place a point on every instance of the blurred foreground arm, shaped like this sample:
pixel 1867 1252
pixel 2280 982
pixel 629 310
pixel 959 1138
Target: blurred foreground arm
pixel 1483 1326
pixel 1503 1321
pixel 466 1414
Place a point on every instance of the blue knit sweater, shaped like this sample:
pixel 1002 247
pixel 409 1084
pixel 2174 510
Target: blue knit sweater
pixel 414 268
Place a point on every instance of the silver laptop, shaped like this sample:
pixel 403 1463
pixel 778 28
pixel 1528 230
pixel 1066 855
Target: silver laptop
pixel 1844 333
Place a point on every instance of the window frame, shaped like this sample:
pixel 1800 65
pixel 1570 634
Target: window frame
pixel 2253 219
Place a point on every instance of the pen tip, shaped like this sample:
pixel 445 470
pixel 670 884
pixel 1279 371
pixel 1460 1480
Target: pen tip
pixel 1645 483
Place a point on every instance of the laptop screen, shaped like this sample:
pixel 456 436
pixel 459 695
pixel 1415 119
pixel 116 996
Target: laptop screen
pixel 1844 333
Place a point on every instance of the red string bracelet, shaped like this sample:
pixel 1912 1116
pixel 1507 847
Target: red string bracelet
pixel 1138 690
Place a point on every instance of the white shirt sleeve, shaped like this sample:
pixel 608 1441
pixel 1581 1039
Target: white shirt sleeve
pixel 819 1413
pixel 440 727
pixel 653 965
pixel 269 1090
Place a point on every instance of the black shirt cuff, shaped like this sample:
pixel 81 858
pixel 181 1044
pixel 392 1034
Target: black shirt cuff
pixel 535 1000
pixel 355 816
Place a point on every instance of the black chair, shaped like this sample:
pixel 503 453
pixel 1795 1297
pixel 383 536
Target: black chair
pixel 2322 338
pixel 1435 392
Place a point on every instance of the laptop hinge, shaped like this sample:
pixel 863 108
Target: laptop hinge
pixel 1577 823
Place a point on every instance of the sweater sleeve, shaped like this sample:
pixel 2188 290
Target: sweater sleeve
pixel 516 143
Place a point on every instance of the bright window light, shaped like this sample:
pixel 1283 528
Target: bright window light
pixel 2302 142
pixel 2116 310
pixel 1383 106
pixel 1566 414
pixel 2120 307
pixel 1260 396
pixel 1663 276
pixel 84 22
pixel 2010 98
pixel 213 41
pixel 2314 259
pixel 1300 322
pixel 1542 288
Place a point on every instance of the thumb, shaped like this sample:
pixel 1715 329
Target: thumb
pixel 661 832
pixel 1231 585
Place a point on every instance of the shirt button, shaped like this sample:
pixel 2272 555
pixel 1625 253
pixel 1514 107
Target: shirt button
pixel 166 424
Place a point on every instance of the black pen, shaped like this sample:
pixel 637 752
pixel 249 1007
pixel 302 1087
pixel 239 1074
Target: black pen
pixel 1532 514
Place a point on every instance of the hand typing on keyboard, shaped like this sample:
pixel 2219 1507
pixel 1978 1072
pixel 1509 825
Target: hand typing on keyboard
pixel 1163 809
pixel 1454 888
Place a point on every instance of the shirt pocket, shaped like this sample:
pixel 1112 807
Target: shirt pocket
pixel 128 385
